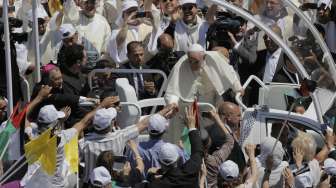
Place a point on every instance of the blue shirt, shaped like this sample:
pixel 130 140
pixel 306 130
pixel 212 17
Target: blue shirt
pixel 149 152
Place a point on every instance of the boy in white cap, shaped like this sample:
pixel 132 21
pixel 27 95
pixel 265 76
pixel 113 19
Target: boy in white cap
pixel 149 150
pixel 102 139
pixel 195 75
pixel 131 28
pixel 93 28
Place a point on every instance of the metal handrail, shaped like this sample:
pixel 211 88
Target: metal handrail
pixel 248 81
pixel 130 71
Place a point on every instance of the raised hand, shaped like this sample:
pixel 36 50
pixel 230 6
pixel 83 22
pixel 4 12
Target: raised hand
pixel 250 150
pixel 190 117
pixel 298 156
pixel 44 91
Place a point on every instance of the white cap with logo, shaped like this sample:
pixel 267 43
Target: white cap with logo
pixel 67 30
pixel 229 170
pixel 157 124
pixel 49 114
pixel 100 176
pixel 327 3
pixel 182 2
pixel 168 154
pixel 103 118
pixel 330 166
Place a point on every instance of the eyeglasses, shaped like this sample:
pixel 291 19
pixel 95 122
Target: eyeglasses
pixel 188 7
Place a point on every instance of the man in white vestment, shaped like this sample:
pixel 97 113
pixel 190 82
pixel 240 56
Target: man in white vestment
pixel 93 29
pixel 131 28
pixel 205 74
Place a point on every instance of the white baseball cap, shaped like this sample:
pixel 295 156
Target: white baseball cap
pixel 67 30
pixel 229 170
pixel 100 176
pixel 168 154
pixel 196 48
pixel 49 114
pixel 103 118
pixel 182 2
pixel 327 3
pixel 157 124
pixel 330 166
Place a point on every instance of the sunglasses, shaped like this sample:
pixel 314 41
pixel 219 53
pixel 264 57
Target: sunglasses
pixel 165 1
pixel 188 7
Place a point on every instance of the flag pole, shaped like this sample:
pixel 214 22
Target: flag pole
pixel 8 59
pixel 12 167
pixel 15 171
pixel 4 150
pixel 36 43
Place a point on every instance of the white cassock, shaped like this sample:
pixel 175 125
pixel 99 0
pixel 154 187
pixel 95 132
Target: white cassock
pixel 186 35
pixel 94 32
pixel 134 33
pixel 215 77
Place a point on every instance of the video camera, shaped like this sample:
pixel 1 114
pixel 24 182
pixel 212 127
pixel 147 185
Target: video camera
pixel 217 34
pixel 305 46
pixel 14 37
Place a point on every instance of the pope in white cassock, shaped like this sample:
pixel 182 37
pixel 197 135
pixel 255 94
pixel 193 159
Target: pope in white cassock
pixel 205 74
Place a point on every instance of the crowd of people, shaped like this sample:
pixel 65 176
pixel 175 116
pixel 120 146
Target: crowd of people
pixel 207 52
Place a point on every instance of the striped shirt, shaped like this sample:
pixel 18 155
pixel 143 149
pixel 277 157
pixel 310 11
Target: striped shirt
pixel 93 144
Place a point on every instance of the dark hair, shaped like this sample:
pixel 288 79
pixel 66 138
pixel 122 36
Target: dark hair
pixel 132 45
pixel 70 55
pixel 229 184
pixel 108 93
pixel 320 28
pixel 156 135
pixel 105 159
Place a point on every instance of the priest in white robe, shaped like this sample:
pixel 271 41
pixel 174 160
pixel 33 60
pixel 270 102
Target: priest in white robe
pixel 130 29
pixel 205 74
pixel 93 29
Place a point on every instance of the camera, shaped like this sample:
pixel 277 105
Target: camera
pixel 217 34
pixel 305 46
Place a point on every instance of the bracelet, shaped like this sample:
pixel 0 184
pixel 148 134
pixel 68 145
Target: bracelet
pixel 136 158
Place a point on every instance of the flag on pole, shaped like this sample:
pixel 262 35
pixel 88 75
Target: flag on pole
pixel 43 149
pixel 11 126
pixel 71 154
pixel 185 132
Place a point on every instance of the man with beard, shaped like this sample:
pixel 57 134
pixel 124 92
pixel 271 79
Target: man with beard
pixel 93 29
pixel 131 28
